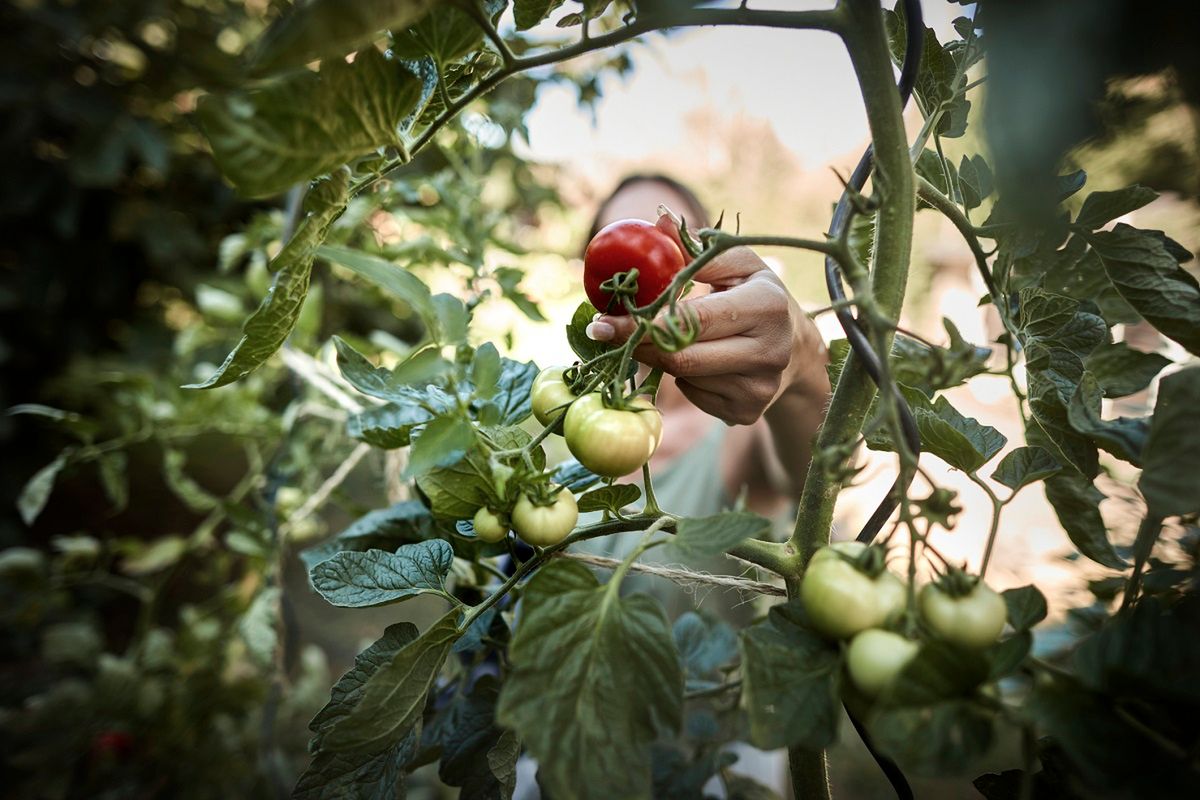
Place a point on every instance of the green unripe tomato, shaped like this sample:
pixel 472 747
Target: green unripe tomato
pixel 550 395
pixel 612 442
pixel 875 657
pixel 973 620
pixel 842 600
pixel 543 526
pixel 489 527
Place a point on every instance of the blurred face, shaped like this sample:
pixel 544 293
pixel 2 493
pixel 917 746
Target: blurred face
pixel 640 200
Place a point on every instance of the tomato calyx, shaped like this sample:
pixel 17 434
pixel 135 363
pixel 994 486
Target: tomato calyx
pixel 872 561
pixel 542 494
pixel 957 582
pixel 622 288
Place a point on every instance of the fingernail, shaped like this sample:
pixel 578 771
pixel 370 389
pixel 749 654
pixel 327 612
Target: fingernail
pixel 600 331
pixel 663 211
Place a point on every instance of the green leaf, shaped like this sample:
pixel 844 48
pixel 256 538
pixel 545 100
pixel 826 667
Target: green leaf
pixel 377 775
pixel 1076 503
pixel 938 77
pixel 1026 606
pixel 584 347
pixel 1076 271
pixel 1101 207
pixel 932 369
pixel 305 125
pixel 613 498
pixel 529 13
pixel 445 35
pixel 1111 756
pixel 384 529
pixel 931 167
pixel 974 181
pixel 113 468
pixel 1050 428
pixel 475 754
pixel 1150 279
pixel 397 385
pixel 962 442
pixel 713 535
pixel 388 426
pixel 392 698
pixel 323 28
pixel 452 319
pixel 1151 652
pixel 1121 370
pixel 377 577
pixel 513 386
pixel 939 671
pixel 457 490
pixel 391 278
pixel 485 370
pixel 569 695
pixel 1024 466
pixel 268 327
pixel 1124 437
pixel 574 476
pixel 1006 656
pixel 1170 479
pixel 791 681
pixel 155 556
pixel 441 443
pixel 347 692
pixel 36 492
pixel 706 646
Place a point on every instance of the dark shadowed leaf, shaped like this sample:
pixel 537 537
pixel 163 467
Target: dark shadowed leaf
pixel 296 128
pixel 384 529
pixel 704 645
pixel 569 696
pixel 375 775
pixel 1124 437
pixel 391 700
pixel 321 28
pixel 1076 503
pixel 1101 207
pixel 1150 279
pixel 1024 466
pixel 1170 478
pixel 1121 370
pixel 791 677
pixel 1026 606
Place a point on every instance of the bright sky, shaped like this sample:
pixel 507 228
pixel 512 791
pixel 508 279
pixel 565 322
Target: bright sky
pixel 799 81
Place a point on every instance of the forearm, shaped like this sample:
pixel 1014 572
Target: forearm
pixel 797 413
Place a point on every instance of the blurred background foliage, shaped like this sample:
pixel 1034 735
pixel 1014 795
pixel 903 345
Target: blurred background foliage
pixel 139 591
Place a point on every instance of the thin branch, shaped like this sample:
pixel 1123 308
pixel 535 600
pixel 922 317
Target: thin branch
pixel 826 20
pixel 930 194
pixel 683 577
pixel 336 479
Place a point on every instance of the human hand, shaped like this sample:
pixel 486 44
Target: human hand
pixel 754 342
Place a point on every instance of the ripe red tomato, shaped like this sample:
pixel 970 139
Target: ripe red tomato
pixel 624 245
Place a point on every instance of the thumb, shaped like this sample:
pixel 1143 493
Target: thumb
pixel 668 223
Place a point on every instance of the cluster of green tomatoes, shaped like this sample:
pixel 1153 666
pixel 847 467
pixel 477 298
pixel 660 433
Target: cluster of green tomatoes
pixel 849 594
pixel 610 437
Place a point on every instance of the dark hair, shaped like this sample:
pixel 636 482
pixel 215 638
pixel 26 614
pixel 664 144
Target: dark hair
pixel 695 214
